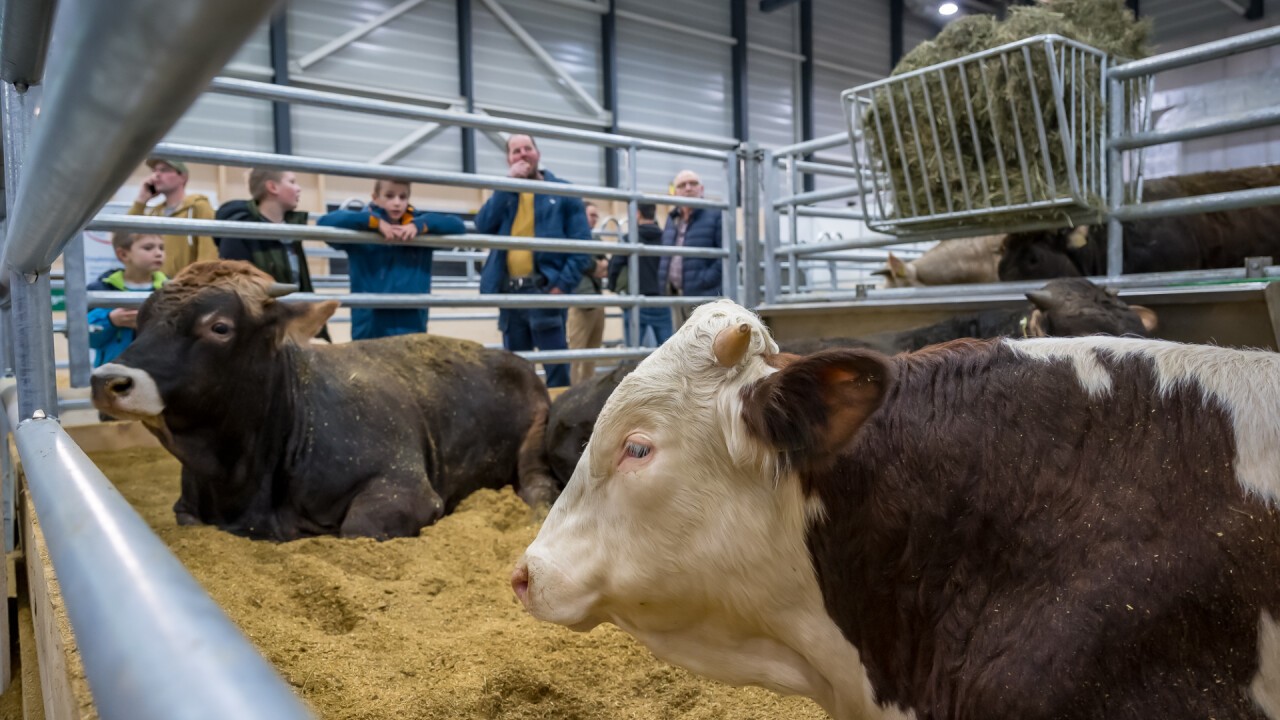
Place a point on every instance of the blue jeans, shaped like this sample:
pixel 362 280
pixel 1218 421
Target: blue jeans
pixel 542 328
pixel 655 323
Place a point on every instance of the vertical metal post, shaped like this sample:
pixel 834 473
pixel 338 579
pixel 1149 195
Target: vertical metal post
pixel 609 88
pixel 633 237
pixel 772 271
pixel 466 82
pixel 738 27
pixel 806 82
pixel 33 356
pixel 77 311
pixel 896 12
pixel 751 225
pixel 13 106
pixel 281 120
pixel 729 228
pixel 1115 176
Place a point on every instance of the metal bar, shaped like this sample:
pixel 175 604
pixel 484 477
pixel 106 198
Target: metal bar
pixel 806 82
pixel 270 231
pixel 281 116
pixel 244 158
pixel 1198 54
pixel 77 312
pixel 552 356
pixel 775 52
pixel 609 89
pixel 1115 180
pixel 845 69
pixel 1038 115
pixel 412 300
pixel 466 81
pixel 1017 136
pixel 356 33
pixel 479 121
pixel 566 80
pixel 991 104
pixel 825 212
pixel 1217 202
pixel 401 147
pixel 633 237
pixel 937 144
pixel 915 135
pixel 87 144
pixel 826 142
pixel 772 272
pixel 729 234
pixel 897 9
pixel 24 40
pixel 738 67
pixel 834 193
pixel 821 168
pixel 884 151
pixel 676 27
pixel 1252 120
pixel 600 7
pixel 902 154
pixel 955 138
pixel 751 246
pixel 153 644
pixel 900 297
pixel 33 343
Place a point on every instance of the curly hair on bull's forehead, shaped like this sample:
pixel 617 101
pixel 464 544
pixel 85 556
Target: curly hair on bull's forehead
pixel 240 277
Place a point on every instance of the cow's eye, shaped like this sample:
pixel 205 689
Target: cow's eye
pixel 636 450
pixel 220 328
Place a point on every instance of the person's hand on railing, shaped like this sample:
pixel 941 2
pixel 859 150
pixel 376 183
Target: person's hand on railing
pixel 123 318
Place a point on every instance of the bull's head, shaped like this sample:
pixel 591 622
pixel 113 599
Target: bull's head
pixel 203 336
pixel 684 522
pixel 1074 307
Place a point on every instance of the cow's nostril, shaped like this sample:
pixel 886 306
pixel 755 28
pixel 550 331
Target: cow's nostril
pixel 120 385
pixel 520 582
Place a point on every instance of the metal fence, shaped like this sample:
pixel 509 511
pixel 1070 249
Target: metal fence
pixel 1128 130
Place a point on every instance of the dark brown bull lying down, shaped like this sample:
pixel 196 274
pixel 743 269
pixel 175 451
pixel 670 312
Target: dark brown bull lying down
pixel 1188 242
pixel 281 439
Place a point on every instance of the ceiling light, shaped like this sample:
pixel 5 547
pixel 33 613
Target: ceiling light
pixel 948 8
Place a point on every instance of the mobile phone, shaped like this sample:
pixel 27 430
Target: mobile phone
pixel 151 188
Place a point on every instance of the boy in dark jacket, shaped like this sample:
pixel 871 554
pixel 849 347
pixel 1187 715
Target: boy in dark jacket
pixel 390 269
pixel 112 329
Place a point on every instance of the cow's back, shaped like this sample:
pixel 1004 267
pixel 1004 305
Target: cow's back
pixel 470 406
pixel 1060 529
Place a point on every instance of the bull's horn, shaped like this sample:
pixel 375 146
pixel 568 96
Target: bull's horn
pixel 1079 237
pixel 1042 299
pixel 278 289
pixel 731 344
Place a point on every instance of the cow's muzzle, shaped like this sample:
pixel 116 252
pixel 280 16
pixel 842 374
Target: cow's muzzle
pixel 126 392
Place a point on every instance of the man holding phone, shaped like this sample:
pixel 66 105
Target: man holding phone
pixel 169 178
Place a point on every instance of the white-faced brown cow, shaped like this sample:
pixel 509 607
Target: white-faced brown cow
pixel 997 529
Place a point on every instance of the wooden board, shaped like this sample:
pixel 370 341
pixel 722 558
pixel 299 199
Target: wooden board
pixel 62 678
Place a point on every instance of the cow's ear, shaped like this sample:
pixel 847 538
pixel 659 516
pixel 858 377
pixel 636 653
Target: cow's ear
pixel 898 267
pixel 814 405
pixel 1147 316
pixel 303 320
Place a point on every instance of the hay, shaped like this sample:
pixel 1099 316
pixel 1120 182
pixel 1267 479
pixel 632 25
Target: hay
pixel 1004 95
pixel 425 628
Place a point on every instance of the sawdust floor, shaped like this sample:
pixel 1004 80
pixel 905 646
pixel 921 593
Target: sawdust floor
pixel 425 628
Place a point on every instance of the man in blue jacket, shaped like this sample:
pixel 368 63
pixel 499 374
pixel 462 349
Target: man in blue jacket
pixel 690 227
pixel 533 272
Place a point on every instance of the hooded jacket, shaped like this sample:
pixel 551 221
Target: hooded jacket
pixel 182 250
pixel 104 337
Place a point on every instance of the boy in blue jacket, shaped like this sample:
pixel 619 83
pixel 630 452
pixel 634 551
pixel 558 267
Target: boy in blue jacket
pixel 112 329
pixel 390 269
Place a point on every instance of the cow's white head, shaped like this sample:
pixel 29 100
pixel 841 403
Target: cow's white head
pixel 684 526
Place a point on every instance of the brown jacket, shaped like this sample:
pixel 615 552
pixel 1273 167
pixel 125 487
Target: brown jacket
pixel 182 250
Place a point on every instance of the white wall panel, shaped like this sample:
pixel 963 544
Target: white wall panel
pixel 772 80
pixel 415 53
pixel 507 74
pixel 231 122
pixel 852 33
pixel 915 30
pixel 1178 23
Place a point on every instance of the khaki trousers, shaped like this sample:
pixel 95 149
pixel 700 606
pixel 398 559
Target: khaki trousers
pixel 586 330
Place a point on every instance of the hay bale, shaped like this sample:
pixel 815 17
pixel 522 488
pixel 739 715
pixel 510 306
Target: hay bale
pixel 927 164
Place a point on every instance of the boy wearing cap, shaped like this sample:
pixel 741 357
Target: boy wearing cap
pixel 169 178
